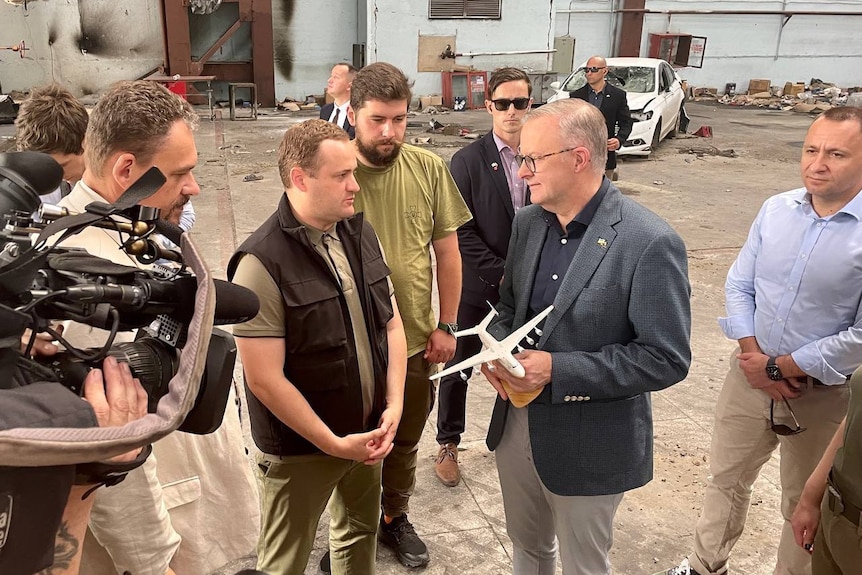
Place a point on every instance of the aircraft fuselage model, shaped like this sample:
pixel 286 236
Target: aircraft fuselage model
pixel 498 350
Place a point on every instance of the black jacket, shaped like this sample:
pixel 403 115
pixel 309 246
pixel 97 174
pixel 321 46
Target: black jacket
pixel 326 112
pixel 614 108
pixel 484 240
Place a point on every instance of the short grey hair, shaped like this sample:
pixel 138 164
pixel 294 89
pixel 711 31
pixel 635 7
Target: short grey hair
pixel 581 124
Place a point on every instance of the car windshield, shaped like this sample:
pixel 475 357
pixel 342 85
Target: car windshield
pixel 638 79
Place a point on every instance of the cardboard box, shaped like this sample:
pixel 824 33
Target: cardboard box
pixel 433 100
pixel 756 86
pixel 791 89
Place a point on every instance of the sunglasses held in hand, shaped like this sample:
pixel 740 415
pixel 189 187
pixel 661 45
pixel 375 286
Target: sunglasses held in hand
pixel 502 104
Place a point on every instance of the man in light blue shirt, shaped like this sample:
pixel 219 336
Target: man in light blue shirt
pixel 794 303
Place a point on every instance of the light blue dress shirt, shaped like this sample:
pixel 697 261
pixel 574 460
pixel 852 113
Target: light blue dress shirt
pixel 797 286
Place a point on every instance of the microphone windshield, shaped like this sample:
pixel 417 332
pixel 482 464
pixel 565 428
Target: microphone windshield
pixel 234 303
pixel 24 176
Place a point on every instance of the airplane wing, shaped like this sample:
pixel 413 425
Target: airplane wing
pixel 479 358
pixel 514 338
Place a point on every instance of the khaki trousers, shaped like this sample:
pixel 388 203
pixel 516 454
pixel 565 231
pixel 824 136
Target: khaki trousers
pixel 742 442
pixel 294 491
pixel 838 545
pixel 536 518
pixel 399 467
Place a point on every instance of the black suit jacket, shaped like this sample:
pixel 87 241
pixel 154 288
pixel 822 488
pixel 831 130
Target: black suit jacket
pixel 326 112
pixel 614 108
pixel 484 240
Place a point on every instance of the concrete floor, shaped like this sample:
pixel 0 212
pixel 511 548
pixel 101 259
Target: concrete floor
pixel 710 200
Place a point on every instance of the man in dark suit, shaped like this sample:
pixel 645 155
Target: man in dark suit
pixel 338 86
pixel 612 102
pixel 487 176
pixel 617 277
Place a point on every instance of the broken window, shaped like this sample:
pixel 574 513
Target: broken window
pixel 637 79
pixel 451 9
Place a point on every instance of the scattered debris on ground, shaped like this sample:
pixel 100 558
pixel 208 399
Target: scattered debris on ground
pixel 815 97
pixel 252 178
pixel 701 151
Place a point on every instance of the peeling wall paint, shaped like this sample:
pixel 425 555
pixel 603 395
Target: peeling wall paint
pixel 85 45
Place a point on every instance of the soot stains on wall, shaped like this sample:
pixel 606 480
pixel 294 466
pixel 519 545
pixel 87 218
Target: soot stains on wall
pixel 283 46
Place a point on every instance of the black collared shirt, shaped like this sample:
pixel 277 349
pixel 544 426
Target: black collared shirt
pixel 595 98
pixel 559 250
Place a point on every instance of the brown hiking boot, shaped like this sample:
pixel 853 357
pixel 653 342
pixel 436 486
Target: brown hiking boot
pixel 446 467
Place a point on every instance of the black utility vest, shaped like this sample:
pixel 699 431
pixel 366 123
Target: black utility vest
pixel 320 353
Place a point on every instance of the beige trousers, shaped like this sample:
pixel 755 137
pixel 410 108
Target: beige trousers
pixel 742 442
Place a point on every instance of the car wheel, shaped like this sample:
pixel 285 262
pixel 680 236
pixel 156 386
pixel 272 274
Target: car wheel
pixel 675 130
pixel 656 136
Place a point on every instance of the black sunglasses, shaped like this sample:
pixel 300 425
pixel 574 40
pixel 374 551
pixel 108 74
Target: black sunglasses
pixel 780 428
pixel 594 69
pixel 503 103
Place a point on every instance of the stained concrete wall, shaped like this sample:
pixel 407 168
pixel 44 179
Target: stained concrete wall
pixel 84 44
pixel 310 37
pixel 394 27
pixel 739 47
pixel 743 47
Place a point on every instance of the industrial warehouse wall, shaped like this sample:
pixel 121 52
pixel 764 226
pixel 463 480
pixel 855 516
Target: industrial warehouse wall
pixel 309 37
pixel 84 44
pixel 394 27
pixel 743 47
pixel 739 47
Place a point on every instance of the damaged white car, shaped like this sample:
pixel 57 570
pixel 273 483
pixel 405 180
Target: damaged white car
pixel 655 97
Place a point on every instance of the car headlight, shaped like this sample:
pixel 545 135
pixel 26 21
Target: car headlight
pixel 641 116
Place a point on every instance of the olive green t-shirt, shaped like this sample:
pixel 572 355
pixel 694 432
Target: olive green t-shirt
pixel 410 204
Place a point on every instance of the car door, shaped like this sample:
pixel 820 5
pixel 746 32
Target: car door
pixel 670 89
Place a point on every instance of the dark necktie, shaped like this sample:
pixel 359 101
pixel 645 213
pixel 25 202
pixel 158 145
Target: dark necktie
pixel 337 118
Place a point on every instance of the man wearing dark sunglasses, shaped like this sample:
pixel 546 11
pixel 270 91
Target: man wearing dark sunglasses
pixel 613 104
pixel 487 176
pixel 793 298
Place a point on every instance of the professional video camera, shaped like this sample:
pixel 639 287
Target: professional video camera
pixel 172 307
pixel 41 282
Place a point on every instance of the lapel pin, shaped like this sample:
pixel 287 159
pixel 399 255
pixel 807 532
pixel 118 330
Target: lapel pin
pixel 602 242
pixel 494 165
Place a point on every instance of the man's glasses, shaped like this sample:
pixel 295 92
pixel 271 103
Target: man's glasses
pixel 530 161
pixel 780 428
pixel 594 69
pixel 503 104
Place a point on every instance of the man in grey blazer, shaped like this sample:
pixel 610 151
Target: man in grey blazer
pixel 617 277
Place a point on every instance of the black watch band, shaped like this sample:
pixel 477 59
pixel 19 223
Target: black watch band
pixel 773 372
pixel 108 473
pixel 449 328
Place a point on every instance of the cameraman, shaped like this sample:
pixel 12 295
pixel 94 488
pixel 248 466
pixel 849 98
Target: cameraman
pixel 184 492
pixel 115 399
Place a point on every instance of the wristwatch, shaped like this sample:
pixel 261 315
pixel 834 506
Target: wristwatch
pixel 773 372
pixel 449 328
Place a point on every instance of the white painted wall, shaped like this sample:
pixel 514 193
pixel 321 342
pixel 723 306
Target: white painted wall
pixel 590 23
pixel 394 27
pixel 309 38
pixel 743 47
pixel 126 41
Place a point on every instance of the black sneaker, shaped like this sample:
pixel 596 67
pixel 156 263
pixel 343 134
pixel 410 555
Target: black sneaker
pixel 401 537
pixel 682 569
pixel 324 564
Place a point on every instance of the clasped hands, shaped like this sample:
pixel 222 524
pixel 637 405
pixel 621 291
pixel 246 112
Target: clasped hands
pixel 753 365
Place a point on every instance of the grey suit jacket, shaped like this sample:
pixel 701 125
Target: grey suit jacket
pixel 620 329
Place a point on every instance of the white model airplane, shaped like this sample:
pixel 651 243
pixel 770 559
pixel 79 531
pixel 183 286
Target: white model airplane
pixel 493 349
